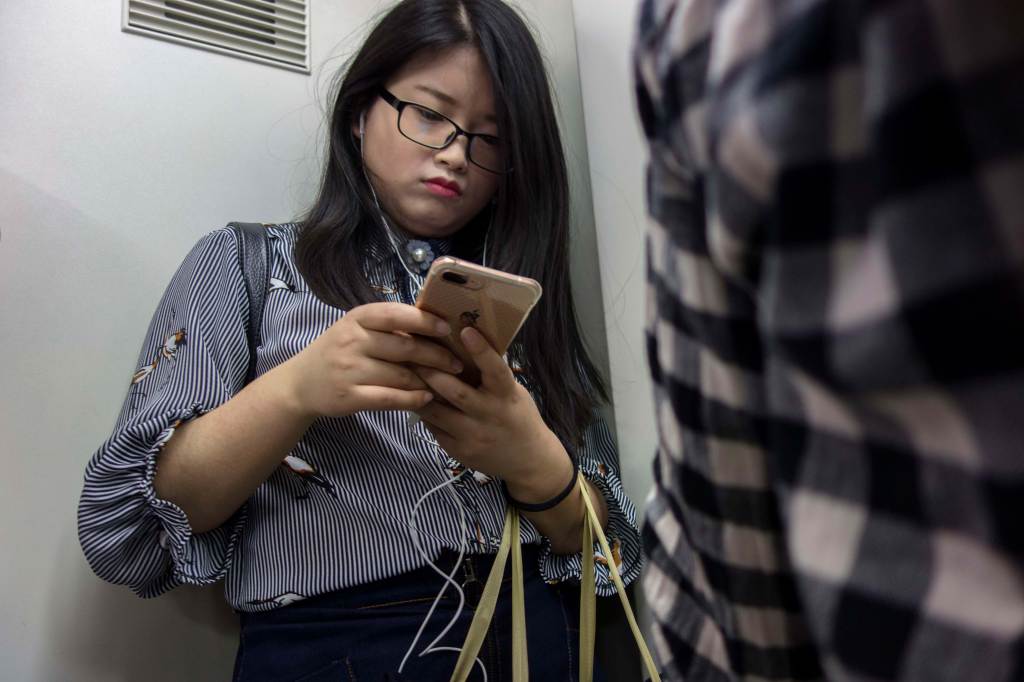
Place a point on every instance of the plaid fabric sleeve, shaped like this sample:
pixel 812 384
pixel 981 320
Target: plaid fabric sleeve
pixel 836 332
pixel 717 580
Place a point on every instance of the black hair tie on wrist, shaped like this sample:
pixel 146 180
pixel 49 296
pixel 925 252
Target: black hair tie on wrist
pixel 553 502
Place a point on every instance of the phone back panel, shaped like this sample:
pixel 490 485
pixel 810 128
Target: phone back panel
pixel 494 302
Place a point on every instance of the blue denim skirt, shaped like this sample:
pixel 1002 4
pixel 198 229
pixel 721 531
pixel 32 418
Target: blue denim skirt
pixel 362 633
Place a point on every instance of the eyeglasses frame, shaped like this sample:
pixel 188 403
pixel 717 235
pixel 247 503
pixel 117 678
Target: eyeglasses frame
pixel 399 105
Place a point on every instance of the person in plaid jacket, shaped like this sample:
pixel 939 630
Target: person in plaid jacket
pixel 836 335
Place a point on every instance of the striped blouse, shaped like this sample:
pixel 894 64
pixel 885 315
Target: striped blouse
pixel 337 512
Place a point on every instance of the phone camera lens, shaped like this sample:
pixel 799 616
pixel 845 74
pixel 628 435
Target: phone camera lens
pixel 454 278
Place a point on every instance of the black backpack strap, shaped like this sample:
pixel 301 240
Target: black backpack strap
pixel 254 258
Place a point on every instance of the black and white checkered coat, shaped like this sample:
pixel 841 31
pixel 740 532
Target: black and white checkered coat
pixel 836 333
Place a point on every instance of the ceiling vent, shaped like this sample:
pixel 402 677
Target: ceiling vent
pixel 274 32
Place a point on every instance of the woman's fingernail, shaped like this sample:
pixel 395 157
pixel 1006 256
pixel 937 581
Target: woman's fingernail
pixel 443 328
pixel 457 366
pixel 472 339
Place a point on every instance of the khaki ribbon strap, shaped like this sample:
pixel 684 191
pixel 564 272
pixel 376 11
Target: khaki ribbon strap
pixel 511 543
pixel 520 658
pixel 488 600
pixel 592 524
pixel 588 600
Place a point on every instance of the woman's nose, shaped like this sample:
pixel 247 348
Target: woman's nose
pixel 456 154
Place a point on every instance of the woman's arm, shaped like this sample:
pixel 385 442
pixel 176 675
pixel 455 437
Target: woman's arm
pixel 192 444
pixel 193 359
pixel 214 463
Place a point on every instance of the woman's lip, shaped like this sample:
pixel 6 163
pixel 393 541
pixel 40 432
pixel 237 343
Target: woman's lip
pixel 441 190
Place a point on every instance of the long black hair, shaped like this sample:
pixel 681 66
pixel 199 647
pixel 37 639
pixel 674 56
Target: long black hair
pixel 529 232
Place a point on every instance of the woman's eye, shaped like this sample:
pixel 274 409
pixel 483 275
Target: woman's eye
pixel 490 140
pixel 428 115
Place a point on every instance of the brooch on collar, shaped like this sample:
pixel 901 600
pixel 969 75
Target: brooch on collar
pixel 420 253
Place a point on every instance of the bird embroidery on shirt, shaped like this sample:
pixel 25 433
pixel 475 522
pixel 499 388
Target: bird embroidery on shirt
pixel 307 473
pixel 172 343
pixel 457 470
pixel 144 372
pixel 616 548
pixel 279 285
pixel 169 349
pixel 280 600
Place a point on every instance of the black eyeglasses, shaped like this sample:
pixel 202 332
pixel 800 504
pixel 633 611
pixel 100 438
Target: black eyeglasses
pixel 426 127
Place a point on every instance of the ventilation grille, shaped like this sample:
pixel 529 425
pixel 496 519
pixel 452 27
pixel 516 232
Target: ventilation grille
pixel 273 32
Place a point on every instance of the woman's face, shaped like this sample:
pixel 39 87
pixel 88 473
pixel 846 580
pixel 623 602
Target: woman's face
pixel 432 192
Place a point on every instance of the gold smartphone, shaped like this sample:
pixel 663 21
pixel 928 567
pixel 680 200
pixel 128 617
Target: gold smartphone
pixel 465 294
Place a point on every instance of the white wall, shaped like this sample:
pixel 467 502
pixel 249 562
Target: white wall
pixel 553 24
pixel 617 156
pixel 116 153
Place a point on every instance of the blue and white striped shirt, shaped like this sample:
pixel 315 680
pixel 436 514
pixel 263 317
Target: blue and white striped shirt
pixel 336 513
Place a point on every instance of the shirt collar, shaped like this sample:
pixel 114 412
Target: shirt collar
pixel 380 249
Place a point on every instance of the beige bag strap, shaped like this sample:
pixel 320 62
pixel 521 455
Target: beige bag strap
pixel 588 601
pixel 510 542
pixel 592 523
pixel 520 665
pixel 489 599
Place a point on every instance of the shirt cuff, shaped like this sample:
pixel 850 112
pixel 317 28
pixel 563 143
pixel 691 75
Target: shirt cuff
pixel 200 559
pixel 623 538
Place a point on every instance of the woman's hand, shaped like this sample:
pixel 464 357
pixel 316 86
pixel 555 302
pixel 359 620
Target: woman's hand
pixel 496 428
pixel 362 362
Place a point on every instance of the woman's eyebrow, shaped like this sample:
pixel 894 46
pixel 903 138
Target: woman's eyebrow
pixel 448 99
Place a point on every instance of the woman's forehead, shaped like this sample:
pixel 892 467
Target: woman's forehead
pixel 457 77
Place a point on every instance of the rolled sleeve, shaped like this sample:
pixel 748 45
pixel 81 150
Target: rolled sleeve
pixel 598 462
pixel 194 359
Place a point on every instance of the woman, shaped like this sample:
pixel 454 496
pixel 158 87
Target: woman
pixel 332 516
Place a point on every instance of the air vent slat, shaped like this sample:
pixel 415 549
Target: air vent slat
pixel 295 7
pixel 234 40
pixel 288 19
pixel 269 31
pixel 204 9
pixel 174 10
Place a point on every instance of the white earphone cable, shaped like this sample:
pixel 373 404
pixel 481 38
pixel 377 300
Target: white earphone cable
pixel 448 577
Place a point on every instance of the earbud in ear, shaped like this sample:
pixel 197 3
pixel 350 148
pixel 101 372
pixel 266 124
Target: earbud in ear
pixel 362 124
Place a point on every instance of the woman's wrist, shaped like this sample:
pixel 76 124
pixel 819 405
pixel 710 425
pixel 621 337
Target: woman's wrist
pixel 550 503
pixel 285 394
pixel 549 472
